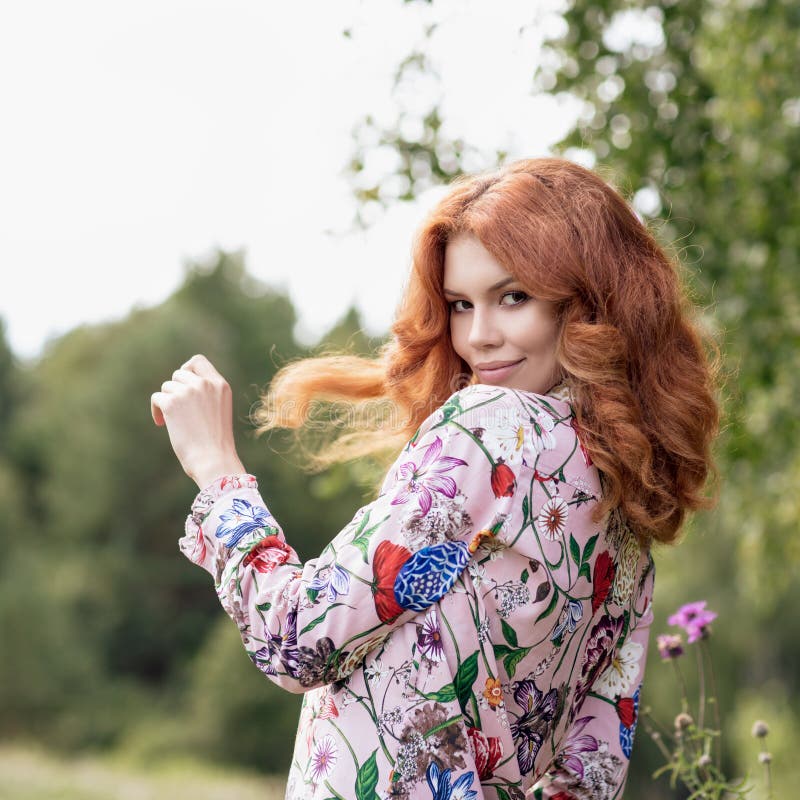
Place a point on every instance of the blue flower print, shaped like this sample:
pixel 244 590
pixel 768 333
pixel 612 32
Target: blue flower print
pixel 441 789
pixel 568 620
pixel 429 573
pixel 333 578
pixel 240 520
pixel 626 734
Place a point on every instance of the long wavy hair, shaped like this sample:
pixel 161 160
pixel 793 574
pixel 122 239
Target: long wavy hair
pixel 641 366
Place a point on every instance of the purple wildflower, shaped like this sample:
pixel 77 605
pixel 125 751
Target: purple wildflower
pixel 669 646
pixel 694 619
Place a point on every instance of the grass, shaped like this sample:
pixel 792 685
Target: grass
pixel 33 774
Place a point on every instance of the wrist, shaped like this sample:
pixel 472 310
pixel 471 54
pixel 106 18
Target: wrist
pixel 216 469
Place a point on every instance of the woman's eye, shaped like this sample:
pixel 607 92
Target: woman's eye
pixel 522 297
pixel 455 303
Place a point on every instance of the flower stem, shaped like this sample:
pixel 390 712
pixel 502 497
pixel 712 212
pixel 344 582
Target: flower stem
pixel 701 678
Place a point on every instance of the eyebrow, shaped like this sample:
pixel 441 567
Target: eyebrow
pixel 498 285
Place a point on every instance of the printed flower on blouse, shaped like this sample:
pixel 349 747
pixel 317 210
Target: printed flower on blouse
pixel 619 676
pixel 427 477
pixel 267 554
pixel 539 434
pixel 429 638
pixel 533 726
pixel 487 752
pixel 441 788
pixel 552 518
pixel 505 440
pixel 628 712
pixel 571 614
pixel 569 757
pixel 604 571
pixel 414 581
pixel 240 520
pixel 323 758
pixel 333 578
pixel 599 649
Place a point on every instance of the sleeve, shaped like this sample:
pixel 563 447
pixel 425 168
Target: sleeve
pixel 593 762
pixel 306 625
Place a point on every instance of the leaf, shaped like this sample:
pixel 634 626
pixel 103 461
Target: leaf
pixel 502 794
pixel 512 659
pixel 501 650
pixel 525 508
pixel 465 678
pixel 509 633
pixel 524 576
pixel 314 622
pixel 444 695
pixel 589 549
pixel 541 591
pixel 367 778
pixel 550 607
pixel 584 571
pixel 574 550
pixel 264 606
pixel 361 540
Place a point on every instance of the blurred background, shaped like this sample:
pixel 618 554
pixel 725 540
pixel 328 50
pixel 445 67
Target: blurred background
pixel 243 180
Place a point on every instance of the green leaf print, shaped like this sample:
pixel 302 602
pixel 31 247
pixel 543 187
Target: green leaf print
pixel 316 621
pixel 465 678
pixel 589 549
pixel 510 634
pixel 574 550
pixel 444 695
pixel 512 659
pixel 367 778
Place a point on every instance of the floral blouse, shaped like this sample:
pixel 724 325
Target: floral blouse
pixel 470 634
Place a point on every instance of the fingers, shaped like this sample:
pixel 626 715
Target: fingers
pixel 185 376
pixel 201 366
pixel 156 405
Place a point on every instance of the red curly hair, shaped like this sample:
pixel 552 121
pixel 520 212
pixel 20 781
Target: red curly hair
pixel 642 372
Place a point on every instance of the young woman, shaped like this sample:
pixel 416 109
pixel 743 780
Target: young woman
pixel 480 629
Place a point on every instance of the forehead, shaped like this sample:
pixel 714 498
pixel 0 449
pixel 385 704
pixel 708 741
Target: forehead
pixel 467 263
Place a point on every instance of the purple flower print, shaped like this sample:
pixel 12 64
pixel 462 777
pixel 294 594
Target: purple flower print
pixel 429 638
pixel 428 476
pixel 694 619
pixel 577 743
pixel 599 649
pixel 532 728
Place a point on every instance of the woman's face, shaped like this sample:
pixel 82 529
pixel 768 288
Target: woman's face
pixel 494 324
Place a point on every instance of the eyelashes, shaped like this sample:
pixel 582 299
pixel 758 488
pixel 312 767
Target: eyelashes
pixel 524 297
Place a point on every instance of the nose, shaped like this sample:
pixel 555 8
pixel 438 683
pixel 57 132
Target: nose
pixel 483 331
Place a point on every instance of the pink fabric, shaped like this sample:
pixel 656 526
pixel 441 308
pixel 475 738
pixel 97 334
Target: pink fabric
pixel 469 634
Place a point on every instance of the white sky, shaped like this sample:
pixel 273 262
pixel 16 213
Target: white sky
pixel 136 136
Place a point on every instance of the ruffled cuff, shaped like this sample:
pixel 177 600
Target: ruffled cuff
pixel 192 544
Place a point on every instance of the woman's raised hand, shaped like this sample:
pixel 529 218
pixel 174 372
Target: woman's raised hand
pixel 196 405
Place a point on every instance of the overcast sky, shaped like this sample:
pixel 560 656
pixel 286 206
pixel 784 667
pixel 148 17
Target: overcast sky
pixel 137 136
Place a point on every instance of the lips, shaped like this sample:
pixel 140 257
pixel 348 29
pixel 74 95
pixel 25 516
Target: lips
pixel 490 365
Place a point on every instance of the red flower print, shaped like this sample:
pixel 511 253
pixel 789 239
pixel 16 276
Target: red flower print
pixel 267 554
pixel 604 571
pixel 388 560
pixel 487 752
pixel 503 480
pixel 626 711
